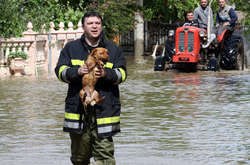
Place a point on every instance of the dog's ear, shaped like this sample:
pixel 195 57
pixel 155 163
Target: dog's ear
pixel 93 52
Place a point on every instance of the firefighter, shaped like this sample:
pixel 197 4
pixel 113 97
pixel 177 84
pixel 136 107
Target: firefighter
pixel 91 130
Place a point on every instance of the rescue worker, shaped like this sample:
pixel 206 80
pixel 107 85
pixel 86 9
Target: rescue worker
pixel 201 15
pixel 170 46
pixel 226 16
pixel 91 131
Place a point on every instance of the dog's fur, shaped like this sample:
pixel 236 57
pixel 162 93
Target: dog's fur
pixel 95 60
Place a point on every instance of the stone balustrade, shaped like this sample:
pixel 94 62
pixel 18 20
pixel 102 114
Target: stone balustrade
pixel 13 46
pixel 43 48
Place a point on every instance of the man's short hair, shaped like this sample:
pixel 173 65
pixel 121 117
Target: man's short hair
pixel 91 14
pixel 187 12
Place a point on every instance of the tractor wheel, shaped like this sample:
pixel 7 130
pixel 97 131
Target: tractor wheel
pixel 240 65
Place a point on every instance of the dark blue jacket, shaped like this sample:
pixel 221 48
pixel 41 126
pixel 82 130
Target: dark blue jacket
pixel 71 58
pixel 232 20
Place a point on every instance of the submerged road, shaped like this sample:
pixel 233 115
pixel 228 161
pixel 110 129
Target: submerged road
pixel 167 118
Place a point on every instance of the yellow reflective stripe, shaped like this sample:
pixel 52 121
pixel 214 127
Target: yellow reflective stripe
pixel 81 62
pixel 108 120
pixel 60 71
pixel 108 65
pixel 72 116
pixel 123 74
pixel 77 62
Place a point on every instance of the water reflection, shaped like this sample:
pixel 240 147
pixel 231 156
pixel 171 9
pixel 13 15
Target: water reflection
pixel 167 118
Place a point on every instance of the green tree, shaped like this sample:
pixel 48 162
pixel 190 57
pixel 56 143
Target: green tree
pixel 15 14
pixel 173 10
pixel 170 10
pixel 118 15
pixel 243 5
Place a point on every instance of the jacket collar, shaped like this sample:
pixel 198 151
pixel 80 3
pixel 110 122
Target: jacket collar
pixel 90 48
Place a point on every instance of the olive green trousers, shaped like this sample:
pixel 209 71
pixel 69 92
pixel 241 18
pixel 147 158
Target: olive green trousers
pixel 87 145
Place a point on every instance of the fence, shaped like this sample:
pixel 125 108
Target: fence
pixel 154 32
pixel 127 41
pixel 43 48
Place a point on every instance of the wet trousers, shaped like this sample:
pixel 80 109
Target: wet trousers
pixel 87 145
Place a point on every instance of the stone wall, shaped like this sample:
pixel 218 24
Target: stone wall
pixel 42 48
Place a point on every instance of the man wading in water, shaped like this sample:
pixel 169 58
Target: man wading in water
pixel 91 131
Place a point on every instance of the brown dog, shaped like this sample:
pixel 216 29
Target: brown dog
pixel 95 60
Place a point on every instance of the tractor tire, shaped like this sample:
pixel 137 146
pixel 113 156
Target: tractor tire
pixel 232 53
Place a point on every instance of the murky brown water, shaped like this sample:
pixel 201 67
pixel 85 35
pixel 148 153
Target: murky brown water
pixel 168 118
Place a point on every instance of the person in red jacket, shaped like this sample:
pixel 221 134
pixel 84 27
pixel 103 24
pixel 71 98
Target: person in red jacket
pixel 91 131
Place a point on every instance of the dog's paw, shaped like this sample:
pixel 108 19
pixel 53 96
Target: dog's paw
pixel 93 103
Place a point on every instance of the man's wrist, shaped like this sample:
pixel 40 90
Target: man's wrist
pixel 104 73
pixel 79 72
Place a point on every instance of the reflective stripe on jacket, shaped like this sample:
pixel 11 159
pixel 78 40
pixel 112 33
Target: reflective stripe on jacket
pixel 71 58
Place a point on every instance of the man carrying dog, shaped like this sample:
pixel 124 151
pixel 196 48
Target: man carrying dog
pixel 91 131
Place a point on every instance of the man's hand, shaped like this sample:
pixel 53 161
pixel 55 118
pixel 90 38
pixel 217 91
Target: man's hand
pixel 100 72
pixel 83 70
pixel 226 24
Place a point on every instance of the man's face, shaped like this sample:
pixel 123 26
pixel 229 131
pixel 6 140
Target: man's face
pixel 92 27
pixel 190 16
pixel 222 3
pixel 203 3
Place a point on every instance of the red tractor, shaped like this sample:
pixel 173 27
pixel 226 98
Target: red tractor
pixel 195 49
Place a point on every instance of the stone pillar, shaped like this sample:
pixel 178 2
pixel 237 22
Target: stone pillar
pixel 139 34
pixel 79 30
pixel 30 35
pixel 53 48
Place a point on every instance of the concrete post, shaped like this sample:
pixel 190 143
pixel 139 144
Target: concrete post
pixel 139 34
pixel 30 35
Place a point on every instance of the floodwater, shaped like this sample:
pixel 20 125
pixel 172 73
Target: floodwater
pixel 168 118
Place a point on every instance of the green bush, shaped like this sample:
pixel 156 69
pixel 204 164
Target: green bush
pixel 22 55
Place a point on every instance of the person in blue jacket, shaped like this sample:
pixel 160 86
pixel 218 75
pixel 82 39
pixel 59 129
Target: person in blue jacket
pixel 226 15
pixel 91 130
pixel 226 19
